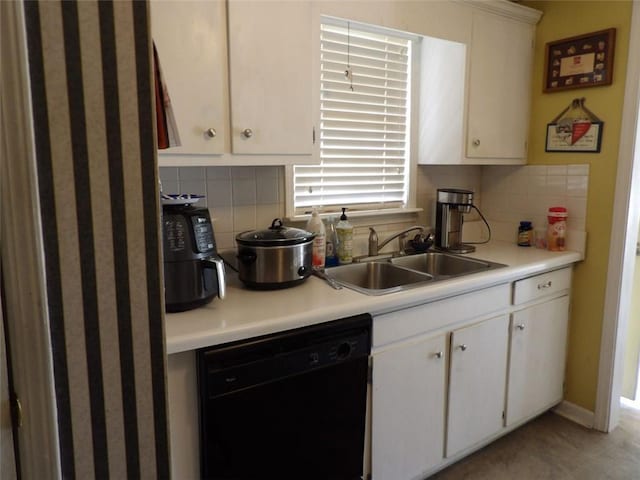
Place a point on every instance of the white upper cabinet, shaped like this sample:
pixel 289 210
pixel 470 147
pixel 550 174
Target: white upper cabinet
pixel 270 55
pixel 239 77
pixel 501 57
pixel 191 41
pixel 474 101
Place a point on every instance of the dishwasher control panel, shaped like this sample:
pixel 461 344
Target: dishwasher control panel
pixel 239 365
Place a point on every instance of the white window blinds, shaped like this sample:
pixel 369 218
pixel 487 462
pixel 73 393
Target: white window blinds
pixel 364 127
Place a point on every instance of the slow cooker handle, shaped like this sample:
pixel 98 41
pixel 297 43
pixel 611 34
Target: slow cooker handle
pixel 218 264
pixel 247 257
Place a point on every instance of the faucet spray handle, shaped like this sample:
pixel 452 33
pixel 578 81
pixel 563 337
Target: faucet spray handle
pixel 373 242
pixel 422 242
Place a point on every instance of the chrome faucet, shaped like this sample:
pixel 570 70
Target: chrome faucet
pixel 375 247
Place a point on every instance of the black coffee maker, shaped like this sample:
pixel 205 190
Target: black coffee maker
pixel 193 271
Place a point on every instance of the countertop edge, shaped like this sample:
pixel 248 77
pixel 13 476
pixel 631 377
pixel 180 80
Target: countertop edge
pixel 247 313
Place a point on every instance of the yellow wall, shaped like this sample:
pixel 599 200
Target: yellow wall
pixel 563 19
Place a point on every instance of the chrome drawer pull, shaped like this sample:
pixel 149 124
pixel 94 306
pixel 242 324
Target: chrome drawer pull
pixel 438 355
pixel 542 286
pixel 520 326
pixel 462 347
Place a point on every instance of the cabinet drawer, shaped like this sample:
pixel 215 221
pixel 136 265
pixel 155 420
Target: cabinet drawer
pixel 541 285
pixel 413 321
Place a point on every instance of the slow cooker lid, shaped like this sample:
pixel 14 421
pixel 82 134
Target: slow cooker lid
pixel 276 235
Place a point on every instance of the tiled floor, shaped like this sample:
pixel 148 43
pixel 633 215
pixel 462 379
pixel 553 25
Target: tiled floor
pixel 551 447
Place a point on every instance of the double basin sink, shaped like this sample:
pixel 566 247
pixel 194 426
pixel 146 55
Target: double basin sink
pixel 400 273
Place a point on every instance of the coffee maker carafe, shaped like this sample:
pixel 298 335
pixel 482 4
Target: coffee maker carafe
pixel 193 271
pixel 451 204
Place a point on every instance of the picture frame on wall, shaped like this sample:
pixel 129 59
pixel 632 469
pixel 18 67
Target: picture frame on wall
pixel 561 138
pixel 579 62
pixel 576 129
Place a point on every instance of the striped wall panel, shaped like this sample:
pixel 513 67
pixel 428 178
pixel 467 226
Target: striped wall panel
pixel 91 85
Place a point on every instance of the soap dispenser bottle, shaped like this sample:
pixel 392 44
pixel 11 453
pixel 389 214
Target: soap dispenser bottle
pixel 344 230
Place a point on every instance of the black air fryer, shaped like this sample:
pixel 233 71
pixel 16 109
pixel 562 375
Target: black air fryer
pixel 193 271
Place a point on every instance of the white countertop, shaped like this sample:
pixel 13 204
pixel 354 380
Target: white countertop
pixel 246 313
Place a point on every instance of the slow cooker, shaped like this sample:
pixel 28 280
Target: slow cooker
pixel 277 257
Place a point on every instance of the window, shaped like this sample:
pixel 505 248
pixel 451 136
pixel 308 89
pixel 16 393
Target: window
pixel 365 85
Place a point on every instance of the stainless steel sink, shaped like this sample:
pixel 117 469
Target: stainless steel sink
pixel 444 265
pixel 395 274
pixel 377 278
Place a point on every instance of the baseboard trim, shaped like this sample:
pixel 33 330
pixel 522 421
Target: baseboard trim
pixel 575 413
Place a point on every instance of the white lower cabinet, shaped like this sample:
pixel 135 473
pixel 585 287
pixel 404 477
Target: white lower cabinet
pixel 451 375
pixel 537 358
pixel 408 407
pixel 409 398
pixel 477 383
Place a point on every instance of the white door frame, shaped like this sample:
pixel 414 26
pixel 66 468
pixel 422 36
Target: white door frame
pixel 622 251
pixel 22 255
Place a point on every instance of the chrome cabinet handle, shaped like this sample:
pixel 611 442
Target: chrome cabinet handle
pixel 542 286
pixel 247 133
pixel 438 354
pixel 462 347
pixel 476 142
pixel 520 326
pixel 211 132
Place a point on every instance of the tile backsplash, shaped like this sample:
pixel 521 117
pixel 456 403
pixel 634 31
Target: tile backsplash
pixel 238 198
pixel 246 198
pixel 432 177
pixel 514 193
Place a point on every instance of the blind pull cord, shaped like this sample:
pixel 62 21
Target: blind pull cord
pixel 349 72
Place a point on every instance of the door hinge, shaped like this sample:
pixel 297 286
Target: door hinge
pixel 370 374
pixel 313 135
pixel 503 415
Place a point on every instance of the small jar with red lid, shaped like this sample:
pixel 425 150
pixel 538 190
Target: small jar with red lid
pixel 557 228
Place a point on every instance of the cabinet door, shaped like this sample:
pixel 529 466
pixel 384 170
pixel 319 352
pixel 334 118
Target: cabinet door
pixel 477 380
pixel 408 409
pixel 499 87
pixel 191 41
pixel 537 359
pixel 270 56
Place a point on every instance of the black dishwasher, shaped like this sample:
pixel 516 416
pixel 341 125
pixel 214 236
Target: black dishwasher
pixel 290 405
